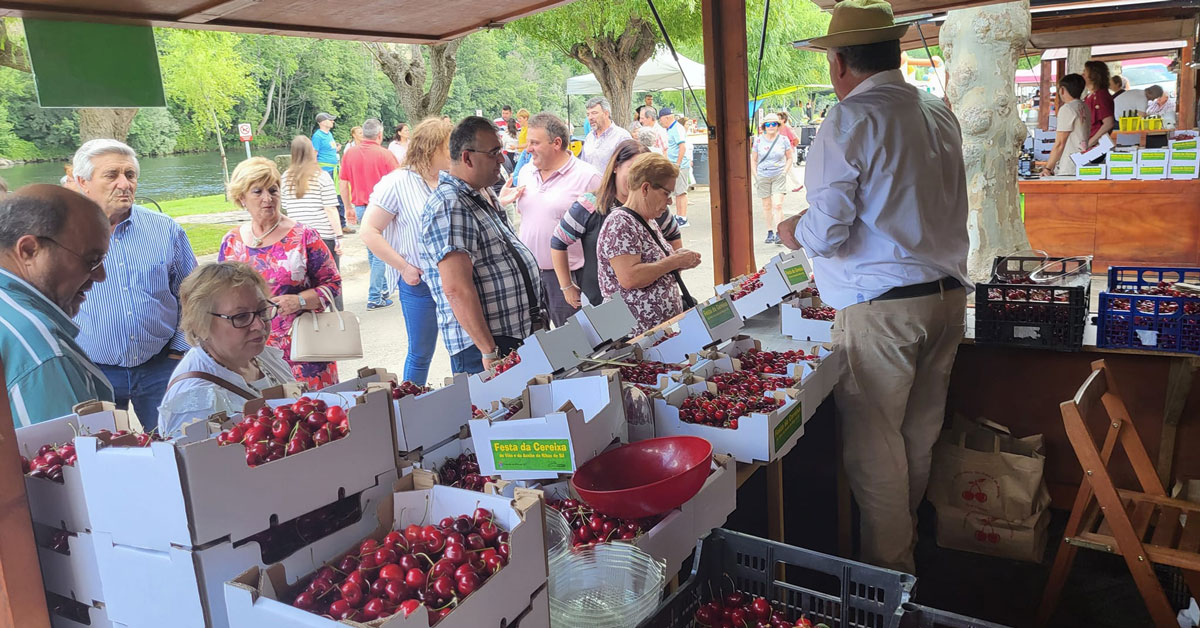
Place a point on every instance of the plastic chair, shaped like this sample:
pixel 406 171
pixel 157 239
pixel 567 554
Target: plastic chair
pixel 1119 521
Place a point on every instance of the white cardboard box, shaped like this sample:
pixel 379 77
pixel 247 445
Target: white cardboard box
pixel 544 353
pixel 97 618
pixel 538 613
pixel 781 276
pixel 758 438
pixel 1187 143
pixel 1102 148
pixel 793 324
pixel 421 420
pixel 709 322
pixel 75 576
pixel 1122 165
pixel 1153 163
pixel 563 424
pixel 203 492
pixel 608 322
pixel 1089 172
pixel 186 588
pixel 253 598
pixel 1184 164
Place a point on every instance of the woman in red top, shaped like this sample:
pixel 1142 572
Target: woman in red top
pixel 1099 102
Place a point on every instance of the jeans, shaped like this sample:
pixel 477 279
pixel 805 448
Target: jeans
pixel 420 321
pixel 144 385
pixel 470 360
pixel 378 290
pixel 560 310
pixel 331 244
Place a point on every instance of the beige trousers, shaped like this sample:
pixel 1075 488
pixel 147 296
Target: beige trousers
pixel 892 402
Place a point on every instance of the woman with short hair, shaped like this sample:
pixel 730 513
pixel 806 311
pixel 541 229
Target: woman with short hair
pixel 226 312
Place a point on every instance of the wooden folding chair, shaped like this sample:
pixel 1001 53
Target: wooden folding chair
pixel 1143 527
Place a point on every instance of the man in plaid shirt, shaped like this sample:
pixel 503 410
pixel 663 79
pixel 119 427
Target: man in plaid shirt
pixel 483 278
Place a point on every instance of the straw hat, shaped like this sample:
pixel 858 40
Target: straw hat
pixel 859 22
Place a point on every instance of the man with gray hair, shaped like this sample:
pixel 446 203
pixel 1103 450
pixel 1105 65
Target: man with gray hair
pixel 362 167
pixel 52 248
pixel 601 143
pixel 130 324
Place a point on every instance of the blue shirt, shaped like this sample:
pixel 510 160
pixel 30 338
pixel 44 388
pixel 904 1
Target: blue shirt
pixel 131 316
pixel 327 154
pixel 45 370
pixel 677 141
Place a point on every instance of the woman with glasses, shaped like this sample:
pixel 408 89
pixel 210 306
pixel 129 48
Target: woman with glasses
pixel 226 312
pixel 289 255
pixel 772 157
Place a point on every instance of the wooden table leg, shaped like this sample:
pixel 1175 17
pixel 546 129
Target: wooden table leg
pixel 1179 386
pixel 775 500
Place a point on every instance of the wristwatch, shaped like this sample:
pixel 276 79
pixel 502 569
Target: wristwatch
pixel 494 354
pixel 303 303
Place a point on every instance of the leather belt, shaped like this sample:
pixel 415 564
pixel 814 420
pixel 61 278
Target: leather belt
pixel 920 290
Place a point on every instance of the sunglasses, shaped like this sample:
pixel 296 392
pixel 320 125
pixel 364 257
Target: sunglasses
pixel 769 125
pixel 243 320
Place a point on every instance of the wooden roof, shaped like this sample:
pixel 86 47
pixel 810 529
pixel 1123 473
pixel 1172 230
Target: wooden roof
pixel 406 21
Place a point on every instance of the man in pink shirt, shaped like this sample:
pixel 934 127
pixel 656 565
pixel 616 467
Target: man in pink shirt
pixel 551 182
pixel 362 167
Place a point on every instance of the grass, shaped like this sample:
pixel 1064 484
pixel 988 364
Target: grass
pixel 214 204
pixel 205 238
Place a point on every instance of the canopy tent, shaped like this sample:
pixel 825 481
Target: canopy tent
pixel 658 74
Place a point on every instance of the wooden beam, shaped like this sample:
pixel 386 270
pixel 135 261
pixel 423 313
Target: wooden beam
pixel 1188 90
pixel 1044 99
pixel 727 78
pixel 1074 35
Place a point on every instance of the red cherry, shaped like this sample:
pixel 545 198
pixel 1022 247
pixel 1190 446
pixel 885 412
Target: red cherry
pixel 408 607
pixel 352 592
pixel 396 591
pixel 415 578
pixel 467 583
pixel 391 572
pixel 373 608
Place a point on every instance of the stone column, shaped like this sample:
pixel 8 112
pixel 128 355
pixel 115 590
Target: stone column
pixel 1076 57
pixel 982 46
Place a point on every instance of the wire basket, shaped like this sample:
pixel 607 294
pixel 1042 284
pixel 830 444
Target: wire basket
pixel 558 534
pixel 609 585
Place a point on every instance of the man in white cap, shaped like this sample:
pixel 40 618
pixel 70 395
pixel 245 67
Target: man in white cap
pixel 887 228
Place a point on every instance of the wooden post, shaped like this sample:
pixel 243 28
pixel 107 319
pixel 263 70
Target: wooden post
pixel 1044 99
pixel 1188 92
pixel 727 91
pixel 22 599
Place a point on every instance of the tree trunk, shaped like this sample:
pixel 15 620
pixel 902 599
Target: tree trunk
pixel 405 67
pixel 982 46
pixel 105 123
pixel 270 95
pixel 615 63
pixel 1076 57
pixel 221 147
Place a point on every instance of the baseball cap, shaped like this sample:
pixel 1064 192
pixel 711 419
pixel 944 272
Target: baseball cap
pixel 665 111
pixel 321 117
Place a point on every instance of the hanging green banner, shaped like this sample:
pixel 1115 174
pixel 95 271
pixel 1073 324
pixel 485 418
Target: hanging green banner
pixel 81 64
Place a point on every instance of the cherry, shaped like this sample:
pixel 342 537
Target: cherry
pixel 338 607
pixel 305 601
pixel 373 608
pixel 467 583
pixel 351 592
pixel 408 607
pixel 442 586
pixel 391 572
pixel 415 578
pixel 396 591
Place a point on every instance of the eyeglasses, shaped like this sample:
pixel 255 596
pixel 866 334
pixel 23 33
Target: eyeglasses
pixel 243 320
pixel 494 153
pixel 92 266
pixel 664 189
pixel 769 125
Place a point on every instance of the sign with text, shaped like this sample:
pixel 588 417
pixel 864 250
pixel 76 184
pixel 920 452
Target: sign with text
pixel 796 275
pixel 716 314
pixel 788 426
pixel 552 454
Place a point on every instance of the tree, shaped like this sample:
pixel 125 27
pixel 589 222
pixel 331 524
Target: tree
pixel 205 74
pixel 500 67
pixel 422 85
pixel 613 38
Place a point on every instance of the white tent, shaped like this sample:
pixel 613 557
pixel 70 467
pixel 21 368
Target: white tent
pixel 660 73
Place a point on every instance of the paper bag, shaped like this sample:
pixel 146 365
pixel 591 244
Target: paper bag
pixel 972 531
pixel 979 466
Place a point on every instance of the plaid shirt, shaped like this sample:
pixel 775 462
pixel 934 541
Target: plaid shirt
pixel 458 218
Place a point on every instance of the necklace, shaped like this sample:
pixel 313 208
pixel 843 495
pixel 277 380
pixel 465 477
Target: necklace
pixel 258 239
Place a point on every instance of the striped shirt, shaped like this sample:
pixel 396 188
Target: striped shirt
pixel 45 370
pixel 402 193
pixel 131 316
pixel 310 210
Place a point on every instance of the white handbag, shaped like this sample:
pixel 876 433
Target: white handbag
pixel 326 336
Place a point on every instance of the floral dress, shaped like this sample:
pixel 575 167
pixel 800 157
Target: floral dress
pixel 622 234
pixel 298 262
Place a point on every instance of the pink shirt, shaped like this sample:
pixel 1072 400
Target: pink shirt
pixel 544 202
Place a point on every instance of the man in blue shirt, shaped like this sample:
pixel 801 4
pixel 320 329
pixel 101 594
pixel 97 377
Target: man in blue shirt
pixel 130 323
pixel 52 247
pixel 677 152
pixel 327 157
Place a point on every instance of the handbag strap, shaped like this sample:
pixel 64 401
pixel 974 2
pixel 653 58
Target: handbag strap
pixel 687 296
pixel 326 295
pixel 209 377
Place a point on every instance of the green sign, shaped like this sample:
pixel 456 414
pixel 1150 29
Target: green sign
pixel 1183 169
pixel 549 454
pixel 1151 170
pixel 796 274
pixel 83 64
pixel 1180 155
pixel 1184 145
pixel 717 314
pixel 789 425
pixel 1157 155
pixel 1126 170
pixel 1091 171
pixel 1126 158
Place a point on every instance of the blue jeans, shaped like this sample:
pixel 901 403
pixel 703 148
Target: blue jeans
pixel 378 290
pixel 144 385
pixel 420 321
pixel 470 360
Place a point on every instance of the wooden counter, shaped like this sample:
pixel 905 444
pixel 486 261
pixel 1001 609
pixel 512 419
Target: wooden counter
pixel 1117 222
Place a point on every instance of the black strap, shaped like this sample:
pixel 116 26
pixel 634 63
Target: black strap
pixel 773 147
pixel 689 302
pixel 535 303
pixel 209 377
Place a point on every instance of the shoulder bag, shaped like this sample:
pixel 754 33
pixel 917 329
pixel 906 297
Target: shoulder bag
pixel 688 301
pixel 326 336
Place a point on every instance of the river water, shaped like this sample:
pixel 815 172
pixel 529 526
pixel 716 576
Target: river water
pixel 162 178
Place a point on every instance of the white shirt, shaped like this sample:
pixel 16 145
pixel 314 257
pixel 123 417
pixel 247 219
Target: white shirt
pixel 1166 110
pixel 193 398
pixel 402 193
pixel 1073 118
pixel 888 195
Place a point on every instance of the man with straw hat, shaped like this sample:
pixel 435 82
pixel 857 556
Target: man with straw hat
pixel 887 228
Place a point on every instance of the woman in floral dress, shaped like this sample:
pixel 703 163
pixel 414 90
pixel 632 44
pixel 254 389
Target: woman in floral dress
pixel 290 256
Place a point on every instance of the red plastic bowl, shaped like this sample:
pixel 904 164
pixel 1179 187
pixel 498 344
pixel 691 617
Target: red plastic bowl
pixel 645 478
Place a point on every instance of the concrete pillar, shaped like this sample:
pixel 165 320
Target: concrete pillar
pixel 1076 57
pixel 982 46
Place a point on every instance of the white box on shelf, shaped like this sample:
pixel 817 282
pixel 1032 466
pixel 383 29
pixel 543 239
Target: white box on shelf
pixel 563 423
pixel 1101 149
pixel 1153 163
pixel 1183 143
pixel 1184 164
pixel 758 437
pixel 97 618
pixel 204 492
pixel 421 420
pixel 183 588
pixel 253 598
pixel 75 575
pixel 610 321
pixel 781 276
pixel 543 353
pixel 793 323
pixel 1098 172
pixel 709 322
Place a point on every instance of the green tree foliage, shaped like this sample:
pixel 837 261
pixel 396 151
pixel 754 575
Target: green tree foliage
pixel 500 67
pixel 153 132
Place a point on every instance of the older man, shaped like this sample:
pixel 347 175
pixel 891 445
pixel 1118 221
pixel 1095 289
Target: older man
pixel 677 152
pixel 888 234
pixel 52 247
pixel 551 183
pixel 601 143
pixel 362 167
pixel 648 119
pixel 1160 103
pixel 130 325
pixel 482 277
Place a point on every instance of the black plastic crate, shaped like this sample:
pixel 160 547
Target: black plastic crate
pixel 1132 319
pixel 917 616
pixel 1012 313
pixel 837 592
